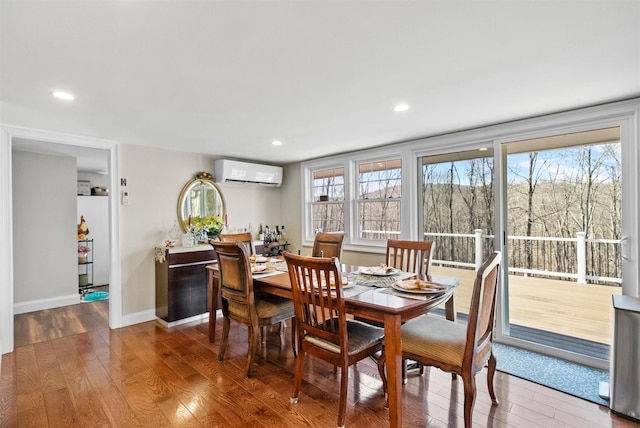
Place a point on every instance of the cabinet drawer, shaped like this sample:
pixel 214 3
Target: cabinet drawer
pixel 191 257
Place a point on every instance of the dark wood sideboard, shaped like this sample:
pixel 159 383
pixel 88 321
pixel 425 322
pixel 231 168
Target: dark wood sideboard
pixel 181 282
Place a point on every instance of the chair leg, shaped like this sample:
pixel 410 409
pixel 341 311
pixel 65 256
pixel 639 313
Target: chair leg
pixel 383 375
pixel 294 342
pixel 404 371
pixel 252 348
pixel 469 381
pixel 490 376
pixel 225 337
pixel 342 404
pixel 298 379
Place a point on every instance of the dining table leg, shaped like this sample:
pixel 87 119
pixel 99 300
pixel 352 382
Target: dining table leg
pixel 393 351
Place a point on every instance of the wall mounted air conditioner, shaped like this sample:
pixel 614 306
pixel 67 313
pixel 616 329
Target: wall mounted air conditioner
pixel 229 171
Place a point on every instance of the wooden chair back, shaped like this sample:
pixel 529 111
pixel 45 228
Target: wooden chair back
pixel 409 256
pixel 316 284
pixel 236 282
pixel 245 238
pixel 328 245
pixel 480 325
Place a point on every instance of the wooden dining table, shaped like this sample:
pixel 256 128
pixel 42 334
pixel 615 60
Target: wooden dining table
pixel 375 304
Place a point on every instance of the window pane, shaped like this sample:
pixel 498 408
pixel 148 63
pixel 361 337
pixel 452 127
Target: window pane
pixel 379 220
pixel 327 217
pixel 327 205
pixel 328 183
pixel 379 191
pixel 380 179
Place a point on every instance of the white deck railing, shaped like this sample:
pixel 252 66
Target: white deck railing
pixel 580 248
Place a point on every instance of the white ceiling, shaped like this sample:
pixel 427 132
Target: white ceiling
pixel 227 77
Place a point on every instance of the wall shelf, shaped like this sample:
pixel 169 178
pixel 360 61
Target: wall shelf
pixel 85 265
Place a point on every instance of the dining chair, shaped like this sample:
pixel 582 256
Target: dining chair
pixel 241 304
pixel 456 348
pixel 327 245
pixel 246 238
pixel 409 256
pixel 323 330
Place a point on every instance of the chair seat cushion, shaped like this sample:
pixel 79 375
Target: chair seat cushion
pixel 270 309
pixel 435 338
pixel 361 336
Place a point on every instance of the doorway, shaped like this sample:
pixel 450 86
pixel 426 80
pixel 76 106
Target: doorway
pixel 52 140
pixel 563 240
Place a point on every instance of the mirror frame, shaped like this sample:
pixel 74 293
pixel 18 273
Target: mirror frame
pixel 185 191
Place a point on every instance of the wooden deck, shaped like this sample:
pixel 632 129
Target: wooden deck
pixel 584 311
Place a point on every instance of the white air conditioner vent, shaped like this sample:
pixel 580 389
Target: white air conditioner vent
pixel 229 171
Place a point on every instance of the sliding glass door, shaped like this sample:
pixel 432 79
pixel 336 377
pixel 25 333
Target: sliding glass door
pixel 563 238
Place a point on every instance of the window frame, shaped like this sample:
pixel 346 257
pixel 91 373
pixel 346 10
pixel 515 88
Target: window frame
pixel 311 199
pixel 350 163
pixel 358 201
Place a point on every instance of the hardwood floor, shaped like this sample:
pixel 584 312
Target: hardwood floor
pixel 146 375
pixel 64 321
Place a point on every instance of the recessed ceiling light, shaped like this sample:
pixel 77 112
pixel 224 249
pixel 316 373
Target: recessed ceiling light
pixel 483 149
pixel 276 143
pixel 62 95
pixel 401 107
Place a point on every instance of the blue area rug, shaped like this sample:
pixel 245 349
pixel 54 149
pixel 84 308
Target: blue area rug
pixel 564 376
pixel 92 296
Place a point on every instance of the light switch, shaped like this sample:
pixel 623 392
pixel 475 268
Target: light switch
pixel 125 197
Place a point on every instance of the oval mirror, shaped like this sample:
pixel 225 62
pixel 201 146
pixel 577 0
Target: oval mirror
pixel 200 197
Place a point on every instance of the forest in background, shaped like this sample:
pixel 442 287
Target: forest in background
pixel 552 194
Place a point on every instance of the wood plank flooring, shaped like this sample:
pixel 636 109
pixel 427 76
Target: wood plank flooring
pixel 148 376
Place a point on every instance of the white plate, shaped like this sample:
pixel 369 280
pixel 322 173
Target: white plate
pixel 377 271
pixel 260 271
pixel 396 286
pixel 261 259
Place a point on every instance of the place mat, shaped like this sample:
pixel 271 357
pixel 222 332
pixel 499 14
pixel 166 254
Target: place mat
pixel 423 297
pixel 376 281
pixel 279 266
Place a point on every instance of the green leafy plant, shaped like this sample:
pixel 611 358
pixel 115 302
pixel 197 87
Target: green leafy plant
pixel 212 225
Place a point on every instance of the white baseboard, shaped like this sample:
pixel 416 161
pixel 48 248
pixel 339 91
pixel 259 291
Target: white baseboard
pixel 42 304
pixel 138 317
pixel 183 321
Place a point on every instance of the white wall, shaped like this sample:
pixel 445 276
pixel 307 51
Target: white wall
pixel 155 178
pixel 44 227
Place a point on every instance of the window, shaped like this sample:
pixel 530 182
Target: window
pixel 379 198
pixel 327 206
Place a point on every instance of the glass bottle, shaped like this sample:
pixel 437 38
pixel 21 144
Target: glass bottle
pixel 283 236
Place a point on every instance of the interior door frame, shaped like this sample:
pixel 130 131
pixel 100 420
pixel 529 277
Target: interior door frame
pixel 622 115
pixel 7 133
